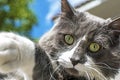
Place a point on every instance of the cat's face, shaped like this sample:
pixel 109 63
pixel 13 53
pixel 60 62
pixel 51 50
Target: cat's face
pixel 67 31
pixel 97 56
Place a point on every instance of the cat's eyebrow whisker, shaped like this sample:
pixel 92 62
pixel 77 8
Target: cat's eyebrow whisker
pixel 54 72
pixel 98 72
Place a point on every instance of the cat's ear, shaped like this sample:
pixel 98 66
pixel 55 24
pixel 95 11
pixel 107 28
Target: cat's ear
pixel 67 9
pixel 115 24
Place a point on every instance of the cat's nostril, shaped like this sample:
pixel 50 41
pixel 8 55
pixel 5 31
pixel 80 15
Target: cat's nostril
pixel 82 60
pixel 74 62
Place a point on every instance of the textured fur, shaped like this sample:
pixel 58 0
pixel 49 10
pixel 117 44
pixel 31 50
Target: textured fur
pixel 15 52
pixel 22 59
pixel 21 54
pixel 102 65
pixel 76 24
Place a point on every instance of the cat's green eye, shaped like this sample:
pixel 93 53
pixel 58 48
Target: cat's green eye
pixel 94 47
pixel 69 39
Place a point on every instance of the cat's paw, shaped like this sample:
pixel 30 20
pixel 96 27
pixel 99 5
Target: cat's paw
pixel 9 54
pixel 15 52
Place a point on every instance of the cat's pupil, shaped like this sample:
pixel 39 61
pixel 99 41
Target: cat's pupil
pixel 95 46
pixel 69 39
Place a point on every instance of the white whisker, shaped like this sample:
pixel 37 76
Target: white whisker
pixel 54 72
pixel 46 67
pixel 88 75
pixel 51 76
pixel 98 72
pixel 92 75
pixel 107 66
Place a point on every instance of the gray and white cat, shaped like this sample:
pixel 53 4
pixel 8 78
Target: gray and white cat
pixel 97 55
pixel 41 62
pixel 74 55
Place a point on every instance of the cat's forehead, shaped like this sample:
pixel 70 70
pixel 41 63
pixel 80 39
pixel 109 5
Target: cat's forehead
pixel 66 26
pixel 97 32
pixel 101 36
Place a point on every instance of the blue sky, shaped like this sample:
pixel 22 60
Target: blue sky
pixel 44 10
pixel 40 8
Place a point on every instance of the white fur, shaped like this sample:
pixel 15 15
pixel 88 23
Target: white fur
pixel 117 77
pixel 16 53
pixel 89 68
pixel 64 59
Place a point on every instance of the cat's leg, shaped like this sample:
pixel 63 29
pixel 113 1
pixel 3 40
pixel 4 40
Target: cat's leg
pixel 9 55
pixel 16 53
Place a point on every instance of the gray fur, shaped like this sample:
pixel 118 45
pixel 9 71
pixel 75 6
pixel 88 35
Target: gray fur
pixel 70 22
pixel 77 25
pixel 107 59
pixel 52 44
pixel 43 67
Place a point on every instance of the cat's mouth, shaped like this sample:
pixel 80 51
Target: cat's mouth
pixel 72 71
pixel 72 74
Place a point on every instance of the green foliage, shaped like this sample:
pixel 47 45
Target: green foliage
pixel 16 16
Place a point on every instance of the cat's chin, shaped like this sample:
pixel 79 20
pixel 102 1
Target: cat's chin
pixel 72 71
pixel 72 74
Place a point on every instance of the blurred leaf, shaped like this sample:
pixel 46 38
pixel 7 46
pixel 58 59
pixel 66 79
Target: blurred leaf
pixel 15 15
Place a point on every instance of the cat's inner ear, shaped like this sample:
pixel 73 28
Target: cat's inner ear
pixel 115 24
pixel 115 27
pixel 67 9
